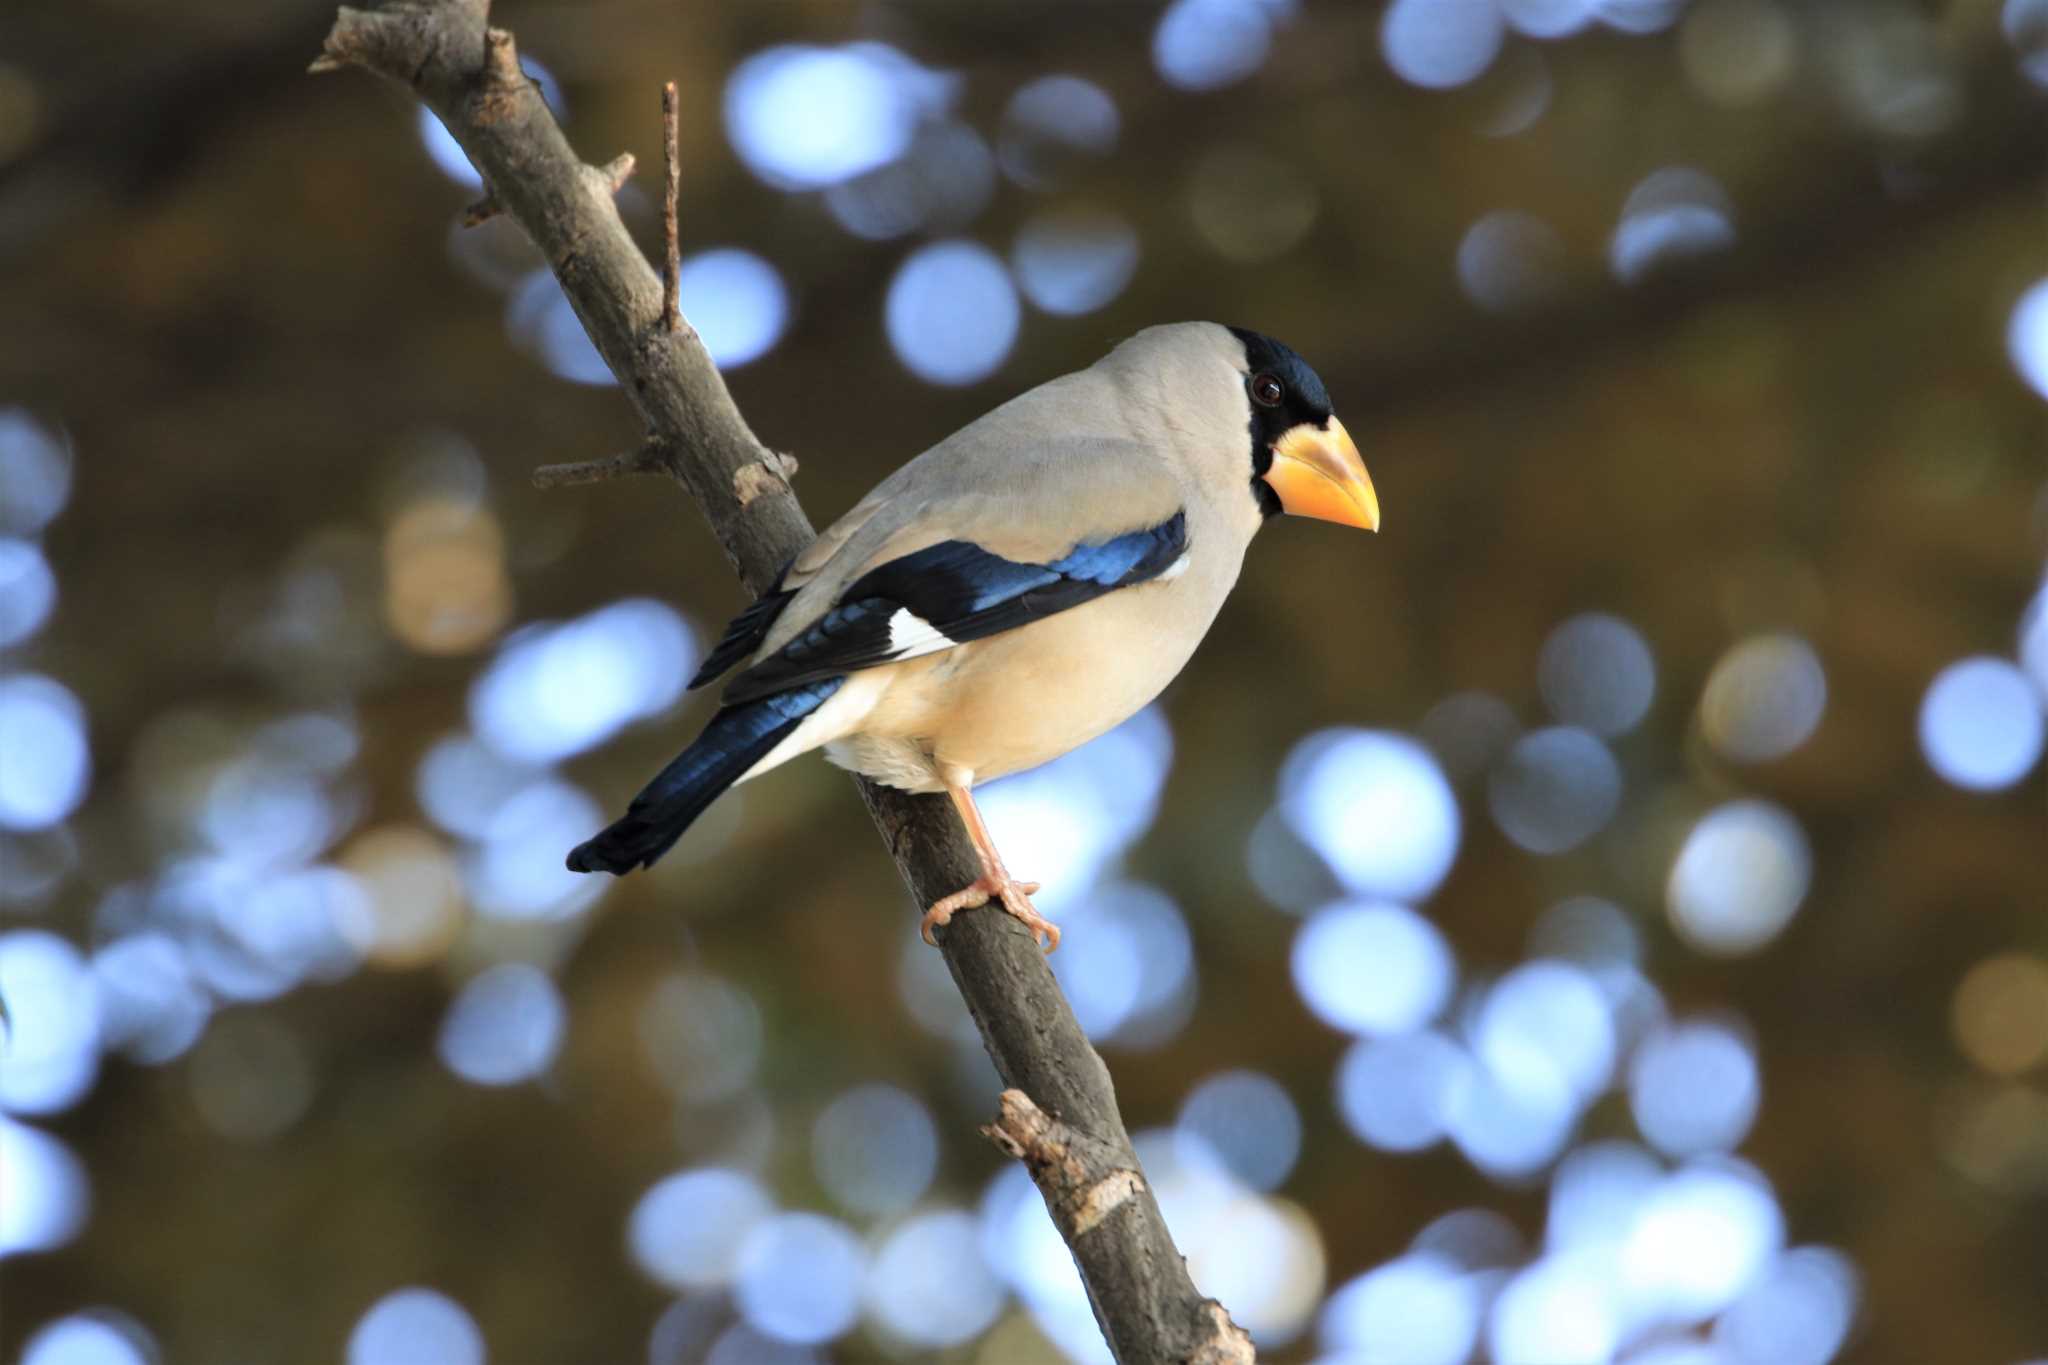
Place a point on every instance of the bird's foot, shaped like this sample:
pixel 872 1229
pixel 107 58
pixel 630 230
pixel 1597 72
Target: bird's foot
pixel 1015 897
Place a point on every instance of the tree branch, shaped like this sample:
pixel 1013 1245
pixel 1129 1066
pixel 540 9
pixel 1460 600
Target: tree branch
pixel 1147 1307
pixel 672 184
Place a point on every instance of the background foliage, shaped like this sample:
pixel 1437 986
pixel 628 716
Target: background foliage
pixel 1600 918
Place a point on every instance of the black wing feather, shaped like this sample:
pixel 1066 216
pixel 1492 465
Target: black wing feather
pixel 964 593
pixel 744 635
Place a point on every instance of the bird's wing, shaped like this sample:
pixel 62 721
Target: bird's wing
pixel 937 557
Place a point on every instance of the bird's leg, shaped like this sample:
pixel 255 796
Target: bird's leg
pixel 995 883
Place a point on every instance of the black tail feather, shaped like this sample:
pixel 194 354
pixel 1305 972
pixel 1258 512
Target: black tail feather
pixel 737 738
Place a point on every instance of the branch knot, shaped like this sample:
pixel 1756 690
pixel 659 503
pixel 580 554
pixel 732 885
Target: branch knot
pixel 1083 1178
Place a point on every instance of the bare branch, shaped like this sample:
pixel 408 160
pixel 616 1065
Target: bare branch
pixel 648 459
pixel 672 159
pixel 1137 1280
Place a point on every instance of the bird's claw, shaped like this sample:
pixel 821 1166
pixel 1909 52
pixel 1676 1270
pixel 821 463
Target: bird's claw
pixel 1015 897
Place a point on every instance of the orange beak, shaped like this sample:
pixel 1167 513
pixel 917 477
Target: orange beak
pixel 1317 473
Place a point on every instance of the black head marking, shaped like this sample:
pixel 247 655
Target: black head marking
pixel 1302 399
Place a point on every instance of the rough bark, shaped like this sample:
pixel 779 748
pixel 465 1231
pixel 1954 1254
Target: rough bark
pixel 1060 1113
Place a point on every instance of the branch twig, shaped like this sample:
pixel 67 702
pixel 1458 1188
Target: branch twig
pixel 672 160
pixel 649 458
pixel 1137 1281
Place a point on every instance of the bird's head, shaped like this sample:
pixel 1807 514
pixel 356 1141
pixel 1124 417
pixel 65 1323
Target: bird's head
pixel 1303 461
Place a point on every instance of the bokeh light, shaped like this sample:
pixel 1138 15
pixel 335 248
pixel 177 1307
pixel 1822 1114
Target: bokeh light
pixel 541 320
pixel 28 590
pixel 1131 976
pixel 446 153
pixel 94 1337
pixel 1471 1238
pixel 556 690
pixel 1596 1193
pixel 1739 877
pixel 1416 1310
pixel 1797 1312
pixel 952 313
pixel 875 1149
pixel 1064 823
pixel 1208 44
pixel 803 117
pixel 2000 1014
pixel 1595 672
pixel 1548 18
pixel 250 1077
pixel 1074 260
pixel 416 1327
pixel 1981 726
pixel 1244 1120
pixel 687 1230
pixel 1050 124
pixel 517 871
pixel 1556 788
pixel 1511 1124
pixel 1545 1022
pixel 1439 44
pixel 1250 204
pixel 1397 1093
pixel 1594 933
pixel 1469 732
pixel 1764 698
pixel 1373 967
pixel 941 183
pixel 702 1035
pixel 49 1194
pixel 1694 1088
pixel 1560 1311
pixel 800 1278
pixel 2026 27
pixel 1738 53
pixel 152 1007
pixel 2033 651
pixel 736 301
pixel 1262 1255
pixel 504 1026
pixel 52 1048
pixel 929 1286
pixel 48 766
pixel 1377 808
pixel 414 893
pixel 463 784
pixel 446 587
pixel 1509 260
pixel 35 474
pixel 1674 214
pixel 1700 1238
pixel 1639 16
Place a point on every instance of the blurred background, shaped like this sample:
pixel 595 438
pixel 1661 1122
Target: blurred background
pixel 1600 918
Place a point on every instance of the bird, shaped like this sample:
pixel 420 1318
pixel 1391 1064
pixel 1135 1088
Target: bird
pixel 1021 587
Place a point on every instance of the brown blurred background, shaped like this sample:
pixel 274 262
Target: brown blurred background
pixel 1641 957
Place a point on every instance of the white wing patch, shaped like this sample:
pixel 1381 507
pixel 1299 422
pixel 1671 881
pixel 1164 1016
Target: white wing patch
pixel 910 635
pixel 1174 570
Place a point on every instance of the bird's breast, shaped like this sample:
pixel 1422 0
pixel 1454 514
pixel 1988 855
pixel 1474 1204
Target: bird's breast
pixel 1013 701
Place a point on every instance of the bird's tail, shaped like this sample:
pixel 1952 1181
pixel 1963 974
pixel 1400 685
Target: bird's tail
pixel 737 738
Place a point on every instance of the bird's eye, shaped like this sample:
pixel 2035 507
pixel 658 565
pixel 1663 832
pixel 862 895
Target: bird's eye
pixel 1267 390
